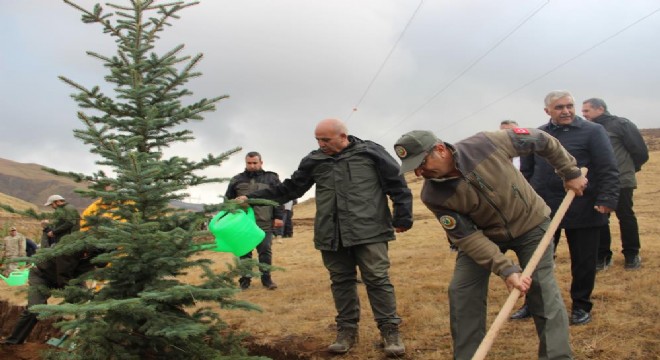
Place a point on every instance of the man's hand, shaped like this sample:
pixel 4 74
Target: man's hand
pixel 50 234
pixel 241 201
pixel 516 280
pixel 577 185
pixel 278 223
pixel 401 229
pixel 603 209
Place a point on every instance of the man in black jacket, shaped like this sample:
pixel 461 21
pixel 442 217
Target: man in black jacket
pixel 588 143
pixel 353 225
pixel 631 153
pixel 268 217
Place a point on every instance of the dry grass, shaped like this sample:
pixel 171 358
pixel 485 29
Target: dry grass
pixel 625 312
pixel 300 314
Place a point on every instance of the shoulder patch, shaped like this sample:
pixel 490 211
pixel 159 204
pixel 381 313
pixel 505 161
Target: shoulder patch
pixel 521 131
pixel 400 151
pixel 448 222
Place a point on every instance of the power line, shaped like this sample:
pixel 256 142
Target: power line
pixel 364 94
pixel 468 68
pixel 554 68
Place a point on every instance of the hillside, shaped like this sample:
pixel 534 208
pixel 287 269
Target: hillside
pixel 28 182
pixel 297 319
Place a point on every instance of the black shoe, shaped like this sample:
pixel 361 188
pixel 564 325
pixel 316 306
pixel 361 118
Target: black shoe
pixel 603 264
pixel 522 313
pixel 580 317
pixel 244 283
pixel 633 263
pixel 270 286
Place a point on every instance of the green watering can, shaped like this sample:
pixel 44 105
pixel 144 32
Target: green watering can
pixel 17 277
pixel 236 233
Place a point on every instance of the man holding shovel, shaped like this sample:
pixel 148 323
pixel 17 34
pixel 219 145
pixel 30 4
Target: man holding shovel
pixel 487 207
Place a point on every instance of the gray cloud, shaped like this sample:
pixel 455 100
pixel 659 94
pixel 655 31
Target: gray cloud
pixel 289 64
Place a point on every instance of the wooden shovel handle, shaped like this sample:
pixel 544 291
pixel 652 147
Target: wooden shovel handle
pixel 503 315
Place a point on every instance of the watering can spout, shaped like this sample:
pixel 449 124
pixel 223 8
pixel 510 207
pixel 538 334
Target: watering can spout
pixel 236 232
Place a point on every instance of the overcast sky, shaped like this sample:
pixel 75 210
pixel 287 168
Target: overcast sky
pixel 453 67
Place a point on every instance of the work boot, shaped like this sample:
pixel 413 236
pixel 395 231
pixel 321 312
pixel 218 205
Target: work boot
pixel 580 317
pixel 244 282
pixel 633 263
pixel 392 343
pixel 26 322
pixel 346 338
pixel 270 286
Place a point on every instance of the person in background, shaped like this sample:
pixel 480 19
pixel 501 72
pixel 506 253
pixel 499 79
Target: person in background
pixel 14 247
pixel 523 312
pixel 487 207
pixel 511 124
pixel 54 273
pixel 268 217
pixel 45 229
pixel 30 247
pixel 589 144
pixel 353 225
pixel 631 153
pixel 287 229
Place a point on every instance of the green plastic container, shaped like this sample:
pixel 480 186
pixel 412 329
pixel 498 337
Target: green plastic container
pixel 236 233
pixel 17 277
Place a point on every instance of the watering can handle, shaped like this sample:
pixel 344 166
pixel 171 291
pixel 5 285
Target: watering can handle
pixel 247 211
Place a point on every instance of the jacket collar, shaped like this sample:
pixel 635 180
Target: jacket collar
pixel 577 122
pixel 252 174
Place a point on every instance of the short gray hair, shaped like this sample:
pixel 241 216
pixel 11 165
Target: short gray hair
pixel 596 103
pixel 556 94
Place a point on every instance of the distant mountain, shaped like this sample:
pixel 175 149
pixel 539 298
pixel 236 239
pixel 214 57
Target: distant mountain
pixel 28 182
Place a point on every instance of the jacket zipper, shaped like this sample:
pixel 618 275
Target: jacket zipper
pixel 517 192
pixel 480 188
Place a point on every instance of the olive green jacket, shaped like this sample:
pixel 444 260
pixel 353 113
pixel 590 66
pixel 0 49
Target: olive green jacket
pixel 491 203
pixel 66 220
pixel 352 189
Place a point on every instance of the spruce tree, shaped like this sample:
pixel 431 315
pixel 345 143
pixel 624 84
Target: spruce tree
pixel 144 310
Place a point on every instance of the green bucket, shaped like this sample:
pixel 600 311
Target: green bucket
pixel 17 277
pixel 236 232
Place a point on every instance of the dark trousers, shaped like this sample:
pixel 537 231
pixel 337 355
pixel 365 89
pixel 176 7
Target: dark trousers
pixel 583 247
pixel 287 229
pixel 53 274
pixel 264 249
pixel 468 295
pixel 627 225
pixel 374 264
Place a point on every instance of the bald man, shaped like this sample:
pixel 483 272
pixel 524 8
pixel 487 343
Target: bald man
pixel 353 225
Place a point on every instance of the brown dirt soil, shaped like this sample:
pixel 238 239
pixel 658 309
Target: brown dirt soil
pixel 297 319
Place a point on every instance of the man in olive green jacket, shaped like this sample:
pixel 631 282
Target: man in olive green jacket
pixel 487 207
pixel 353 225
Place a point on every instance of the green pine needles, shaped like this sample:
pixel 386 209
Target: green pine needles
pixel 143 310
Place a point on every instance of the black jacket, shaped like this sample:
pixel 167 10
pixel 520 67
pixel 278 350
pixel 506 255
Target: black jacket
pixel 629 147
pixel 250 181
pixel 589 144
